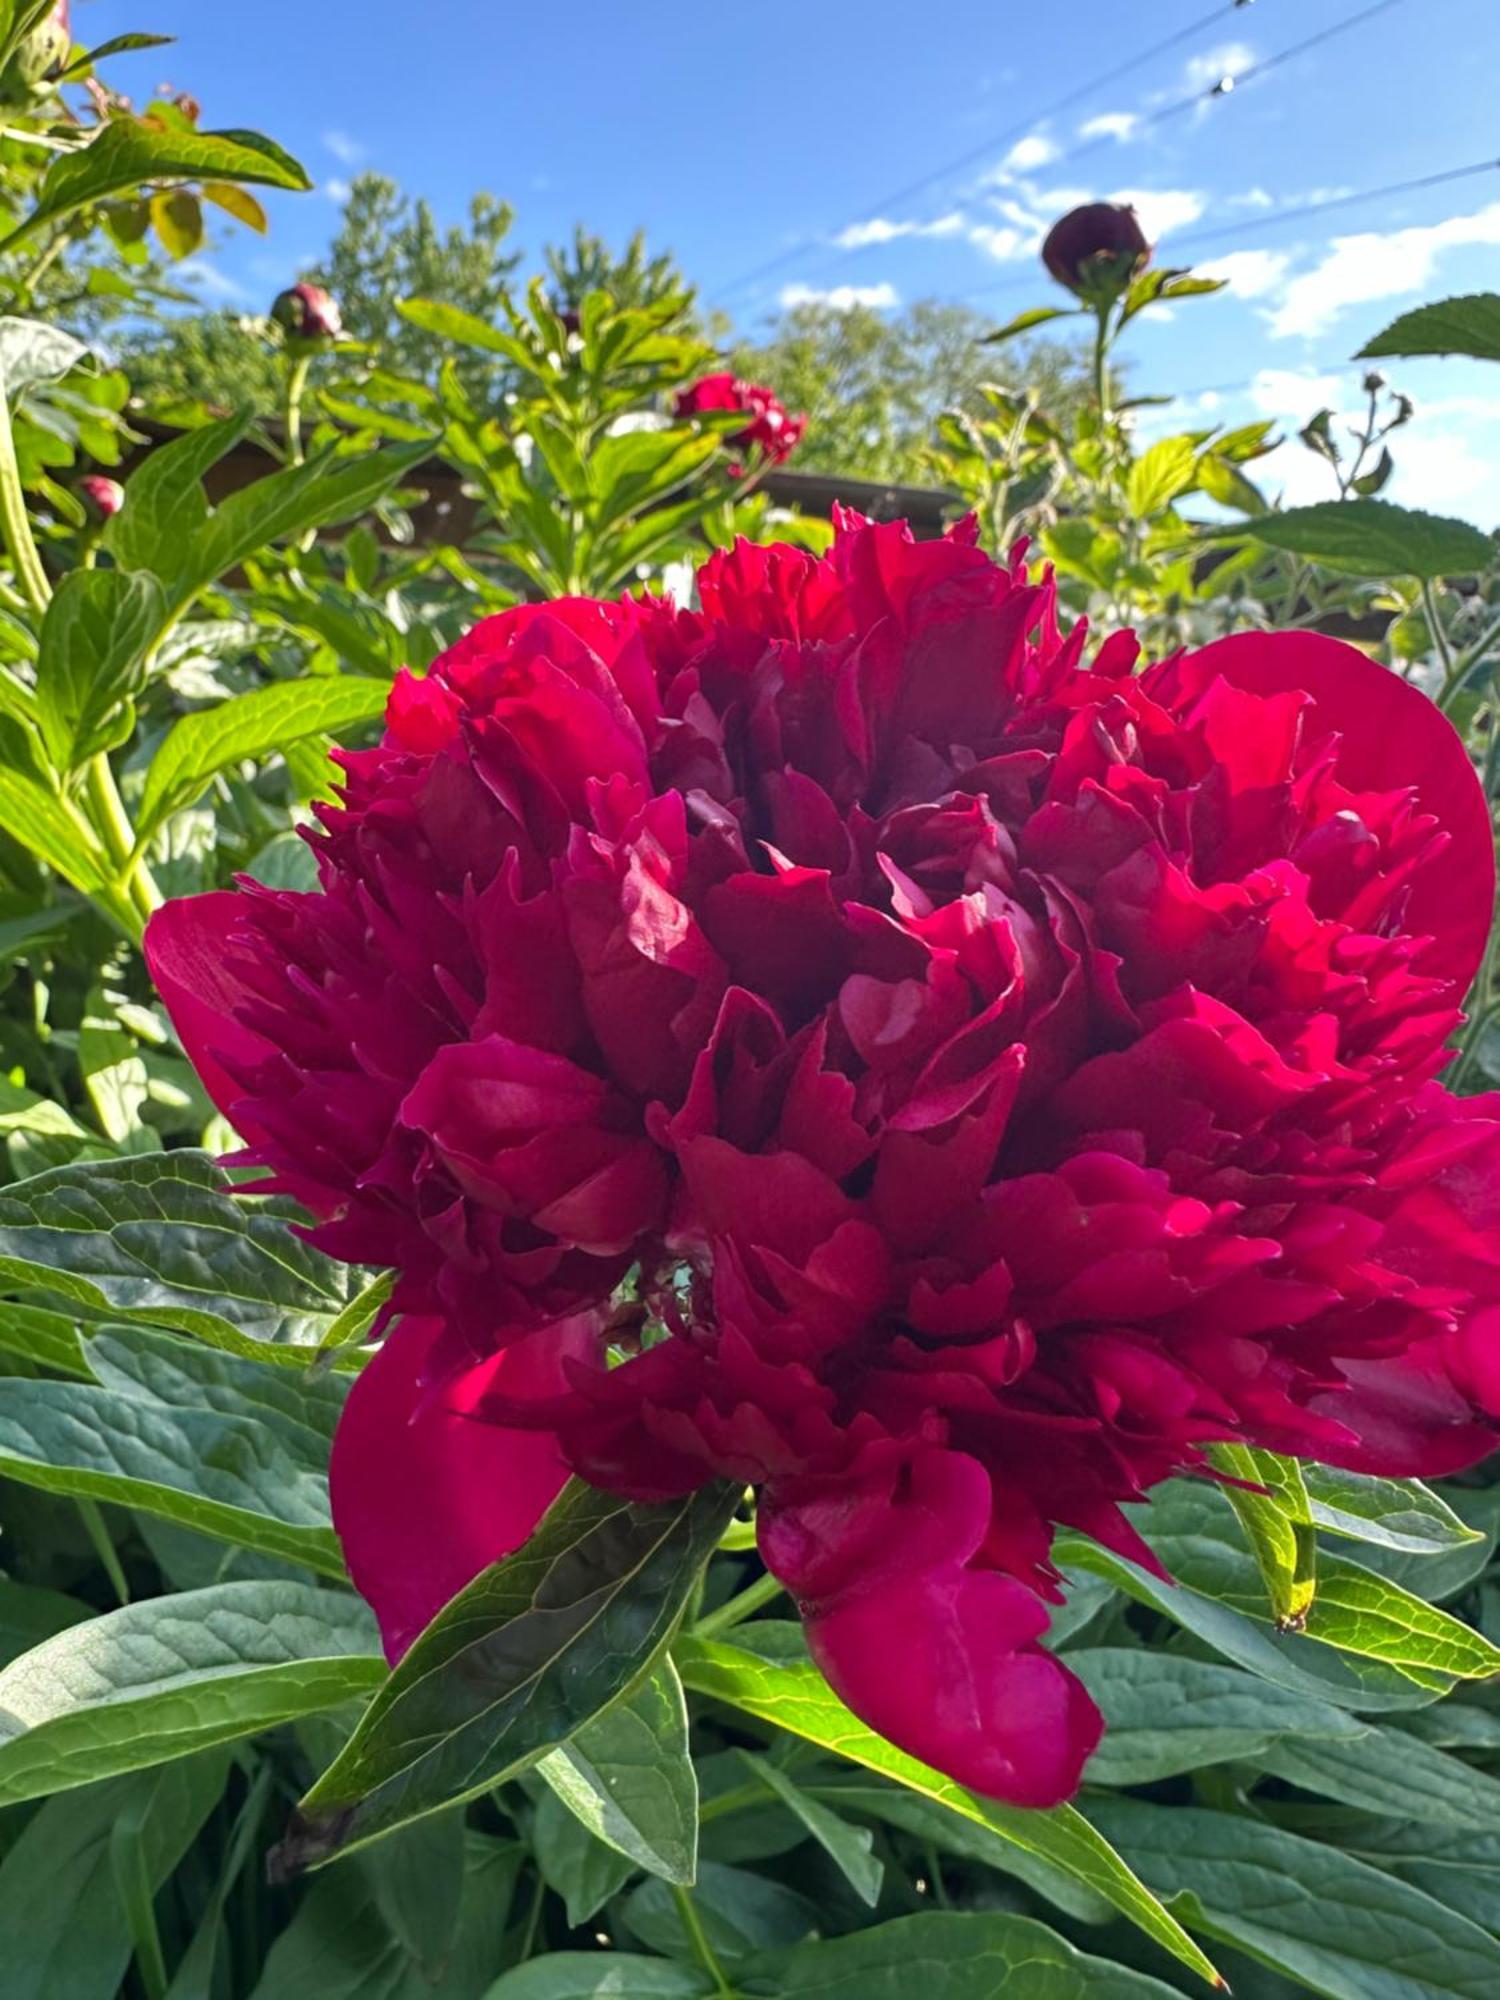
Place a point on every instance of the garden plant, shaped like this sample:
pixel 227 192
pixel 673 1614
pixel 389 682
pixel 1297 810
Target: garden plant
pixel 739 1256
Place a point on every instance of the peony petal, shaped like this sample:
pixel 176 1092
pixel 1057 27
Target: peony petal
pixel 426 1495
pixel 936 1654
pixel 1394 737
pixel 187 947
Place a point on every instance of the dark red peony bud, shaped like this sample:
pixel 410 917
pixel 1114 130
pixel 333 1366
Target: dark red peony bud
pixel 102 498
pixel 772 433
pixel 307 313
pixel 1096 250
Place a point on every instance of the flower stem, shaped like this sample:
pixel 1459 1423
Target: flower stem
pixel 15 526
pixel 739 1608
pixel 692 1923
pixel 296 386
pixel 98 1533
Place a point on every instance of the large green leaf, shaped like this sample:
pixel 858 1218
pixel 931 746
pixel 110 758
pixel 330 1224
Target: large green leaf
pixel 165 503
pixel 341 1944
pixel 226 1476
pixel 1309 1911
pixel 849 1848
pixel 95 636
pixel 66 1935
pixel 943 1955
pixel 43 824
pixel 1165 1713
pixel 126 151
pixel 573 1864
pixel 161 1239
pixel 248 728
pixel 515 1665
pixel 628 1778
pixel 1391 1513
pixel 1160 474
pixel 1469 325
pixel 169 1675
pixel 32 351
pixel 1373 538
pixel 1387 1771
pixel 795 1697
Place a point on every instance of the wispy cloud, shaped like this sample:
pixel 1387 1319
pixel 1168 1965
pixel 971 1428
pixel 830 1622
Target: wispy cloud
pixel 1356 270
pixel 349 150
pixel 842 298
pixel 1161 210
pixel 337 190
pixel 1121 125
pixel 206 276
pixel 881 229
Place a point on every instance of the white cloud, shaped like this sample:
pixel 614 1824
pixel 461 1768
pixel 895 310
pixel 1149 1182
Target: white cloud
pixel 1255 197
pixel 337 190
pixel 1249 274
pixel 1161 210
pixel 880 229
pixel 1121 125
pixel 211 281
pixel 1359 269
pixel 1294 395
pixel 342 147
pixel 1004 244
pixel 842 298
pixel 1029 153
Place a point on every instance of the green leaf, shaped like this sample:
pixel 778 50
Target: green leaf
pixel 33 351
pixel 1278 1524
pixel 1387 1771
pixel 742 1915
pixel 117 45
pixel 601 1975
pixel 627 1776
pixel 293 501
pixel 576 1866
pixel 95 637
pixel 125 151
pixel 45 826
pixel 165 504
pixel 251 727
pixel 340 1944
pixel 848 1847
pixel 1391 1513
pixel 944 1955
pixel 796 1698
pixel 517 1663
pixel 1026 321
pixel 30 1614
pixel 1373 538
pixel 1319 1916
pixel 66 1935
pixel 47 1337
pixel 452 323
pixel 1165 1713
pixel 1159 475
pixel 1223 481
pixel 1469 325
pixel 230 1477
pixel 158 1679
pixel 160 1239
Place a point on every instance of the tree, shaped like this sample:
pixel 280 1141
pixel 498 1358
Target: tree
pixel 873 385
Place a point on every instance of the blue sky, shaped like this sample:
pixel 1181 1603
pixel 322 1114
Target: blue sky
pixel 741 137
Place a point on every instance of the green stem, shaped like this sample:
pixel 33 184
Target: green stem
pixel 15 525
pixel 739 1608
pixel 692 1923
pixel 1101 363
pixel 1453 670
pixel 107 811
pixel 296 386
pixel 97 1529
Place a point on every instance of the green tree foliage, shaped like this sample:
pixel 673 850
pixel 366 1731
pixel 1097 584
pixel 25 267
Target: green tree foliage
pixel 873 384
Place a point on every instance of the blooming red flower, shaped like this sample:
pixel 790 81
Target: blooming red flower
pixel 772 433
pixel 1097 249
pixel 1001 1075
pixel 308 314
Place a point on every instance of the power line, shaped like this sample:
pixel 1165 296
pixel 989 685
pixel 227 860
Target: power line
pixel 990 145
pixel 1292 214
pixel 1223 87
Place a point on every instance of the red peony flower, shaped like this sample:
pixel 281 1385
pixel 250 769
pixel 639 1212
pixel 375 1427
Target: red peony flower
pixel 989 1077
pixel 308 314
pixel 1096 250
pixel 772 433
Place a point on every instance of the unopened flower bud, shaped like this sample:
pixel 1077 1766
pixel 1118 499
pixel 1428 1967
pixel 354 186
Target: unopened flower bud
pixel 102 497
pixel 308 314
pixel 1096 250
pixel 44 51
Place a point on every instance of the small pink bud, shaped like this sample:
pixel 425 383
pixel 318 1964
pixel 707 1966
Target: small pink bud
pixel 103 498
